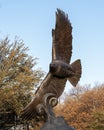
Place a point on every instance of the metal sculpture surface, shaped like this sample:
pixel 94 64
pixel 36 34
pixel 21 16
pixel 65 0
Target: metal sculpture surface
pixel 60 70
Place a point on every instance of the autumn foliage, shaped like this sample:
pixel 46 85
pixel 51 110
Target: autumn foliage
pixel 18 75
pixel 84 110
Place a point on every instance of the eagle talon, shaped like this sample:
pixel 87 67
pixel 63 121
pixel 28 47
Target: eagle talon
pixel 50 99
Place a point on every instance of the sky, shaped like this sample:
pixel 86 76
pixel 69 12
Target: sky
pixel 33 20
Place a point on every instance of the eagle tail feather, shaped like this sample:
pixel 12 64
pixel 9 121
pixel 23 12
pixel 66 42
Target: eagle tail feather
pixel 78 70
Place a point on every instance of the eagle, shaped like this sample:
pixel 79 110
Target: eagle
pixel 60 70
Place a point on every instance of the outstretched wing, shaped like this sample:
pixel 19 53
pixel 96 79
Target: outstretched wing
pixel 62 38
pixel 50 84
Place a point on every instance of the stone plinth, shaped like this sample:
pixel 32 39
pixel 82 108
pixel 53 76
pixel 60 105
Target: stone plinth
pixel 57 123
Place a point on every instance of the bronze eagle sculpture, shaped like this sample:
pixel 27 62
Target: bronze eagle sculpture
pixel 60 70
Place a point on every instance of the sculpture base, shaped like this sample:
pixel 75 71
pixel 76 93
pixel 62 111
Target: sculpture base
pixel 56 123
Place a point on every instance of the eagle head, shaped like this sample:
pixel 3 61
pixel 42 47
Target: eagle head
pixel 53 67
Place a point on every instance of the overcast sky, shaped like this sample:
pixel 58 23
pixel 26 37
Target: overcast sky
pixel 33 20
